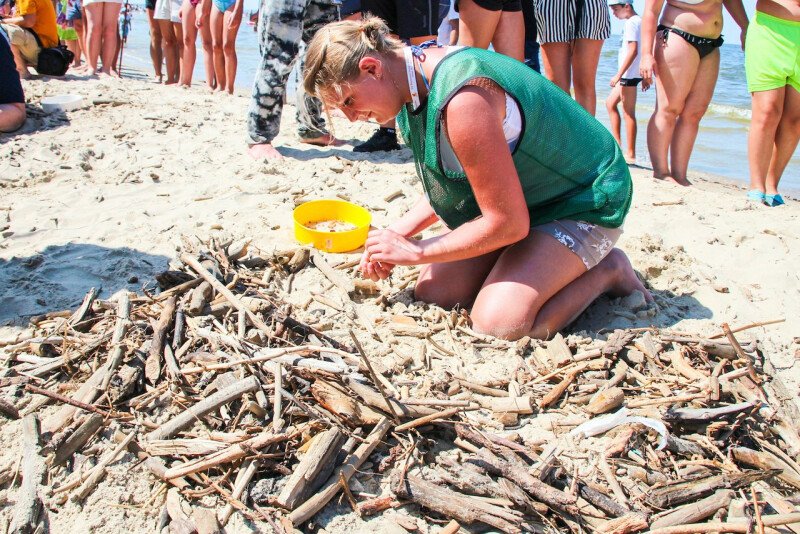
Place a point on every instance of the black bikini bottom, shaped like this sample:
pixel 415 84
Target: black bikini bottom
pixel 703 45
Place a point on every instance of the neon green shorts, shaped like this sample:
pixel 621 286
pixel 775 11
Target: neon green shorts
pixel 772 53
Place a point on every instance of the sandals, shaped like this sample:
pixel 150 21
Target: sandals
pixel 773 200
pixel 754 195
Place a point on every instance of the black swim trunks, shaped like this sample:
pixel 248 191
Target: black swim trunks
pixel 498 5
pixel 629 82
pixel 409 18
pixel 703 45
pixel 150 4
pixel 10 86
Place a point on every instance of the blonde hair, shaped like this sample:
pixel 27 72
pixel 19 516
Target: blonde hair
pixel 334 53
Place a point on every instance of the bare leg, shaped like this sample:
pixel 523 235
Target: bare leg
pixel 476 25
pixel 613 100
pixel 509 36
pixel 232 20
pixel 208 48
pixel 170 50
pixel 78 24
pixel 74 46
pixel 94 34
pixel 694 108
pixel 177 27
pixel 767 109
pixel 156 45
pixel 110 36
pixel 12 116
pixel 189 37
pixel 454 283
pixel 786 139
pixel 585 57
pixel 20 63
pixel 557 64
pixel 677 63
pixel 628 95
pixel 217 23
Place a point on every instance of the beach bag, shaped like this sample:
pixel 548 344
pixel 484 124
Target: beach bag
pixel 53 61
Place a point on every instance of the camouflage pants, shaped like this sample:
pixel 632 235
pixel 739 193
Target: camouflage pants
pixel 281 26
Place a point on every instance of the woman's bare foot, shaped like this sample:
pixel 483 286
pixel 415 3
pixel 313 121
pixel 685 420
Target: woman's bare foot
pixel 264 151
pixel 667 177
pixel 625 279
pixel 323 140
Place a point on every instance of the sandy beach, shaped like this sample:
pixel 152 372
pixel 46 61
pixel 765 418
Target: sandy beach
pixel 103 196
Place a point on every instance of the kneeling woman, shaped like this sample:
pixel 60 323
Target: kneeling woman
pixel 533 189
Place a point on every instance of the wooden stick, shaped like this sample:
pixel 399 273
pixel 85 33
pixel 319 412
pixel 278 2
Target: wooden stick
pixel 743 528
pixel 747 327
pixel 310 508
pixel 118 350
pixel 99 471
pixel 374 377
pixel 77 439
pixel 277 401
pixel 696 511
pixel 209 404
pixel 612 480
pixel 224 291
pixel 152 367
pixel 428 418
pixel 741 353
pixel 558 390
pixel 234 452
pixel 451 528
pixel 343 283
pixel 313 470
pixel 28 504
pixel 66 400
pixel 243 478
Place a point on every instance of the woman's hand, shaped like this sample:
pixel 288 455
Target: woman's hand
pixel 615 80
pixel 386 246
pixel 198 21
pixel 374 270
pixel 647 68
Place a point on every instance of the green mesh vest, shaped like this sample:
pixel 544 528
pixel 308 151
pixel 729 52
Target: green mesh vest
pixel 569 165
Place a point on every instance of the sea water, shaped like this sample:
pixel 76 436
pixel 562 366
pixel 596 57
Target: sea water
pixel 720 149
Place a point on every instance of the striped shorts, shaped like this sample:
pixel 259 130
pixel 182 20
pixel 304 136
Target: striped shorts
pixel 563 21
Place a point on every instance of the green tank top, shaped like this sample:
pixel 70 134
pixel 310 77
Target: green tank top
pixel 569 165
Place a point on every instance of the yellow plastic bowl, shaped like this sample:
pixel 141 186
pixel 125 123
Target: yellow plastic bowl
pixel 315 211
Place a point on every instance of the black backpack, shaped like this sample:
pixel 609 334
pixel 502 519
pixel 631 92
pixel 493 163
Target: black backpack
pixel 53 61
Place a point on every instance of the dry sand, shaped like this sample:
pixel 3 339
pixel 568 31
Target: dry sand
pixel 100 197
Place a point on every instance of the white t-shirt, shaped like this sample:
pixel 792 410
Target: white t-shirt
pixel 443 37
pixel 631 32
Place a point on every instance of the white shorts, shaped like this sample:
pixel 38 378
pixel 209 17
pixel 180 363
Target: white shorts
pixel 168 10
pixel 87 2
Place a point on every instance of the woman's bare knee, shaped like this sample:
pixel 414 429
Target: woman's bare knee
pixel 499 325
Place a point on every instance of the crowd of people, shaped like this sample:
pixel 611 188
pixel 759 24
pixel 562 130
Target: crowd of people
pixel 533 190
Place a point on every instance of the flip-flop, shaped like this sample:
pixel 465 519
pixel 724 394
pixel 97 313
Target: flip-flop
pixel 773 200
pixel 754 195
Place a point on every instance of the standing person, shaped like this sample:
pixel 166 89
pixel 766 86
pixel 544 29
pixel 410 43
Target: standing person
pixel 67 32
pixel 12 99
pixel 533 189
pixel 531 44
pixel 625 81
pixel 683 53
pixel 282 25
pixel 772 65
pixel 571 34
pixel 75 18
pixel 196 18
pixel 496 22
pixel 226 17
pixel 415 22
pixel 37 16
pixel 167 14
pixel 156 41
pixel 102 34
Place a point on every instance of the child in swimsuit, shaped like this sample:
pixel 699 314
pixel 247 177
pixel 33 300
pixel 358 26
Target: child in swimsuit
pixel 226 16
pixel 682 50
pixel 626 79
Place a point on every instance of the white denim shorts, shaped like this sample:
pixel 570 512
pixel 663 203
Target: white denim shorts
pixel 590 242
pixel 168 10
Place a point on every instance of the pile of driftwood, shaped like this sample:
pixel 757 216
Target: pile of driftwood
pixel 217 385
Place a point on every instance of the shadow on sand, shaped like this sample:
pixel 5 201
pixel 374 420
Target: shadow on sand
pixel 58 277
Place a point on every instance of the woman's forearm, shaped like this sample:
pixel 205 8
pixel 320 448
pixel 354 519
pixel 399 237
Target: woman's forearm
pixel 415 220
pixel 652 10
pixel 472 239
